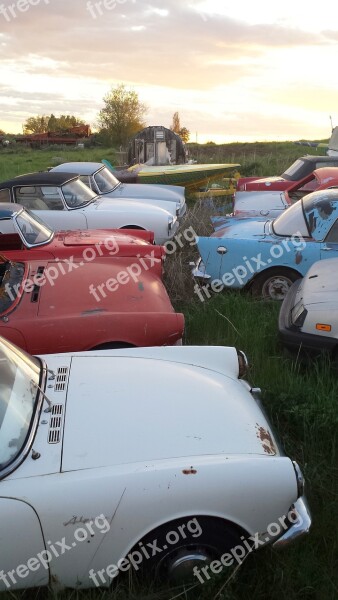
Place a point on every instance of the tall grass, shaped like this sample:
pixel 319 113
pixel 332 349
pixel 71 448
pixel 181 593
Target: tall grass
pixel 300 398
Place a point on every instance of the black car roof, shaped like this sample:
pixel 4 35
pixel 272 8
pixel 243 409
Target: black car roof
pixel 45 178
pixel 314 158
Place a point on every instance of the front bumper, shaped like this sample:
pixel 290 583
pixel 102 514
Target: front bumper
pixel 298 529
pixel 199 272
pixel 292 336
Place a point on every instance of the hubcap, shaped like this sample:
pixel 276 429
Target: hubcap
pixel 181 567
pixel 276 288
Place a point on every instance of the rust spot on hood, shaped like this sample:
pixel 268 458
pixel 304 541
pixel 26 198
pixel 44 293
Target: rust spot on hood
pixel 267 442
pixel 190 471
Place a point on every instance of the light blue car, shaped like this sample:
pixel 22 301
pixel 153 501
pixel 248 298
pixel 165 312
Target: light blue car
pixel 267 256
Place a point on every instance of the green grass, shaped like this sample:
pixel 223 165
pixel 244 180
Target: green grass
pixel 301 401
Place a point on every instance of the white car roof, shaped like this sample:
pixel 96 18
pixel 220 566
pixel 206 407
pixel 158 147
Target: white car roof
pixel 82 168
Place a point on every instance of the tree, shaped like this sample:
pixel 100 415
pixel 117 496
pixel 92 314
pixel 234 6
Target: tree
pixel 44 123
pixel 123 114
pixel 36 124
pixel 183 132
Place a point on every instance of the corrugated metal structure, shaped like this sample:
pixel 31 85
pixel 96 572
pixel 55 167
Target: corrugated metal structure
pixel 156 145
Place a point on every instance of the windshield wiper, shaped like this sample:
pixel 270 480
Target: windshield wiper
pixel 49 402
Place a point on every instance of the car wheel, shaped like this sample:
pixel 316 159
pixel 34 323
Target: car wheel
pixel 274 284
pixel 176 561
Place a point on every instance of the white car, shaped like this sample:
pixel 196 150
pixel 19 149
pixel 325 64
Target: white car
pixel 106 456
pixel 308 317
pixel 63 201
pixel 102 181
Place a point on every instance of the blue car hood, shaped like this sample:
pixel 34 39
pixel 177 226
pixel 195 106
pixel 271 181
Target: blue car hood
pixel 243 228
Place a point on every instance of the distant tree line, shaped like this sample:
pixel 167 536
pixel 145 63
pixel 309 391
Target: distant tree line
pixel 122 116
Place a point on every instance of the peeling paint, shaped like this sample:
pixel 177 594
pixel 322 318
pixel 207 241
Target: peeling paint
pixel 190 471
pixel 299 258
pixel 267 442
pixel 93 311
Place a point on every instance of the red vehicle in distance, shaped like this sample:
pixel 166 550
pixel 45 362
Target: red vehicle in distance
pixel 296 172
pixel 258 204
pixel 86 290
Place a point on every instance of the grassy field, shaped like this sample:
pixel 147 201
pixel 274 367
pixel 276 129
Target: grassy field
pixel 300 399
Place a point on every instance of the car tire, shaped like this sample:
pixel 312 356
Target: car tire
pixel 175 563
pixel 274 284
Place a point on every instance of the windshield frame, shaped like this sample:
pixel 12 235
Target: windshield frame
pixel 39 399
pixel 39 223
pixel 104 168
pixel 299 203
pixel 90 201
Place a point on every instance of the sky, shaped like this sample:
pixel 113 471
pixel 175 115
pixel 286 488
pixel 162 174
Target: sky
pixel 235 71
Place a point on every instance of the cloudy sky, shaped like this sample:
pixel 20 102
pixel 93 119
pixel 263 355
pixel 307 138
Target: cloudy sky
pixel 235 71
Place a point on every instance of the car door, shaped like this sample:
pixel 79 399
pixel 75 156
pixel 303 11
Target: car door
pixel 47 203
pixel 329 247
pixel 22 543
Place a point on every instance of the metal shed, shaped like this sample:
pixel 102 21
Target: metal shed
pixel 156 145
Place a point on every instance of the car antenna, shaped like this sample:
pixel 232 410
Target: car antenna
pixel 49 402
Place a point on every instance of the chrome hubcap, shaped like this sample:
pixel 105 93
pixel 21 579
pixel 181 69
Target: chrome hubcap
pixel 181 567
pixel 276 288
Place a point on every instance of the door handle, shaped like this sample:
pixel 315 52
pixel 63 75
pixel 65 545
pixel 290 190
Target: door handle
pixel 326 249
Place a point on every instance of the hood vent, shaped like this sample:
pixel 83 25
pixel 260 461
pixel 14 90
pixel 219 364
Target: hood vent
pixel 55 424
pixel 61 379
pixel 36 289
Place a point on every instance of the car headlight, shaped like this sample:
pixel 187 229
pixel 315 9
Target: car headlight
pixel 298 314
pixel 300 479
pixel 171 223
pixel 243 364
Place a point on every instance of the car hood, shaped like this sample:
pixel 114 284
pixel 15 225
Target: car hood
pixel 127 206
pixel 319 286
pixel 129 409
pixel 94 237
pixel 150 192
pixel 259 203
pixel 232 227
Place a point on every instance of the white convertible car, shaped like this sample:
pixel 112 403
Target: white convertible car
pixel 102 181
pixel 63 201
pixel 105 469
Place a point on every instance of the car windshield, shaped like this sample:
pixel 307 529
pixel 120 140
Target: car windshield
pixel 11 278
pixel 291 222
pixel 77 194
pixel 32 230
pixel 19 376
pixel 320 210
pixel 299 169
pixel 105 181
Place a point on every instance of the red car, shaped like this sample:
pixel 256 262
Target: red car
pixel 74 291
pixel 298 170
pixel 258 204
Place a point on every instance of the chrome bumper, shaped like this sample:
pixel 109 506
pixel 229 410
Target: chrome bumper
pixel 298 529
pixel 198 272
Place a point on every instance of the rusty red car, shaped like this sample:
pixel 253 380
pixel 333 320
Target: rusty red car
pixel 79 291
pixel 302 167
pixel 271 204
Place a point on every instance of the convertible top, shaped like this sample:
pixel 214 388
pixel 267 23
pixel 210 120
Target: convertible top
pixel 43 178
